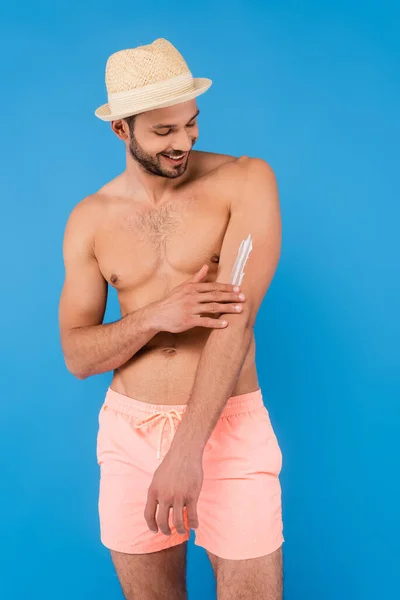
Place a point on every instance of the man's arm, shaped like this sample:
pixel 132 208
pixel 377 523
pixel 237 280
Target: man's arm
pixel 255 211
pixel 89 346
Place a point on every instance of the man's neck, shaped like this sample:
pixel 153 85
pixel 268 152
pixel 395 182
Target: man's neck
pixel 148 187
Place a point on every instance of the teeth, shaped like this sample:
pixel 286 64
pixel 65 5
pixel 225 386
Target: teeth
pixel 175 157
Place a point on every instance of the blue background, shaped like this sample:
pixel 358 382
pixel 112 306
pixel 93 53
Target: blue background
pixel 313 88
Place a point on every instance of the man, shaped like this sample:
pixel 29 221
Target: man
pixel 184 438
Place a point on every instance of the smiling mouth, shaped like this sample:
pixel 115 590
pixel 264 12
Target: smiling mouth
pixel 175 160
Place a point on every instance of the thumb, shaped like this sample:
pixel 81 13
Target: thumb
pixel 200 274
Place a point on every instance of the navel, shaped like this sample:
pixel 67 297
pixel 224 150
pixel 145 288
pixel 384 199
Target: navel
pixel 168 351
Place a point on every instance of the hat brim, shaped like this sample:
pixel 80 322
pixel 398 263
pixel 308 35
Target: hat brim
pixel 201 84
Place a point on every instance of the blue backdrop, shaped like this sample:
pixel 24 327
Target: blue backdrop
pixel 313 88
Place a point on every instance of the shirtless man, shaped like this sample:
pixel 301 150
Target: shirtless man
pixel 165 235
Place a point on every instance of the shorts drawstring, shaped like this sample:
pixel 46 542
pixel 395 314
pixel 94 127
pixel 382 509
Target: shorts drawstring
pixel 160 416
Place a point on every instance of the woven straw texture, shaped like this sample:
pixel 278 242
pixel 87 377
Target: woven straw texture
pixel 137 67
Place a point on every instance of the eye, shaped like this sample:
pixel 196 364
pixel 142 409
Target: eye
pixel 168 132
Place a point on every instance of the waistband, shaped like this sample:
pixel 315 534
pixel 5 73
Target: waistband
pixel 235 405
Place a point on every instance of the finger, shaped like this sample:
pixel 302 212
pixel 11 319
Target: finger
pixel 163 518
pixel 150 511
pixel 200 274
pixel 210 322
pixel 179 521
pixel 215 286
pixel 219 297
pixel 191 507
pixel 216 307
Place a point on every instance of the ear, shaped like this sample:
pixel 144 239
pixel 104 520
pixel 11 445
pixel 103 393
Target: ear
pixel 121 129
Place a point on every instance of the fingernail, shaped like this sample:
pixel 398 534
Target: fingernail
pixel 236 289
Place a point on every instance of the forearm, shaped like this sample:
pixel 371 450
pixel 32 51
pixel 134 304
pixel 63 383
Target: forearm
pixel 217 373
pixel 100 348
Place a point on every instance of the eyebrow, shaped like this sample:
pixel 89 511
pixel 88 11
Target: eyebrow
pixel 163 126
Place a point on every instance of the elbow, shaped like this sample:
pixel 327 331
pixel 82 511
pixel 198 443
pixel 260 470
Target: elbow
pixel 75 371
pixel 80 375
pixel 70 361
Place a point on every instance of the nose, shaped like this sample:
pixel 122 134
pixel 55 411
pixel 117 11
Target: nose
pixel 182 141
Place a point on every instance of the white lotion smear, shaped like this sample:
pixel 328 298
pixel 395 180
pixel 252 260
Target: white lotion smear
pixel 245 248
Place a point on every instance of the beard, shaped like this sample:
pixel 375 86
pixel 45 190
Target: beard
pixel 151 164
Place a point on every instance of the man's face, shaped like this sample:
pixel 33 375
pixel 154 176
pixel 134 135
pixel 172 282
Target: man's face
pixel 171 131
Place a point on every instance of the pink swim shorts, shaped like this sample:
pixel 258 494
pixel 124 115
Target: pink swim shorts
pixel 239 507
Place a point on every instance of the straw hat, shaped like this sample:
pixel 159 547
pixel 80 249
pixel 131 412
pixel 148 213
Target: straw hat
pixel 148 77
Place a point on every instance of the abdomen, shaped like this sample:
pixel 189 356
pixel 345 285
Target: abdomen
pixel 164 370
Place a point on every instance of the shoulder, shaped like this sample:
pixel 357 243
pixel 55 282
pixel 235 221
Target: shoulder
pixel 82 220
pixel 255 169
pixel 245 169
pixel 224 168
pixel 250 178
pixel 259 179
pixel 93 206
pixel 210 162
pixel 86 209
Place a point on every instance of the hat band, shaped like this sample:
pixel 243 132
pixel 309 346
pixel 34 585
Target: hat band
pixel 151 94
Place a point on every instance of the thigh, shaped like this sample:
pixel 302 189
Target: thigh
pixel 251 579
pixel 239 508
pixel 153 576
pixel 128 459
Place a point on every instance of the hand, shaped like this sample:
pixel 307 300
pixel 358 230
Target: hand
pixel 181 309
pixel 176 483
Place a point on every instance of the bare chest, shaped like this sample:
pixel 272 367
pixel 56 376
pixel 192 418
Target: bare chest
pixel 144 252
